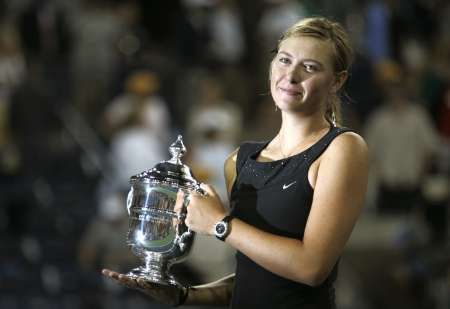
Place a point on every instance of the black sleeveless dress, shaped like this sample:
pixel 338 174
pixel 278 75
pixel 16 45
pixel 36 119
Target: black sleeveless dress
pixel 276 197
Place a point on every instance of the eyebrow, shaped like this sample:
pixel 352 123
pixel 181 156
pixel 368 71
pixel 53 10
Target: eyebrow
pixel 285 53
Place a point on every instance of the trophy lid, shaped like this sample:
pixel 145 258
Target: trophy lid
pixel 172 172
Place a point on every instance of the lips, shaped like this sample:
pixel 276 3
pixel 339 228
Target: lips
pixel 291 92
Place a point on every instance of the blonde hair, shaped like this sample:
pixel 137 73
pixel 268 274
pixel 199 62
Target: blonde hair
pixel 331 31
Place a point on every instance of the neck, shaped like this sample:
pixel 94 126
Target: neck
pixel 295 128
pixel 299 132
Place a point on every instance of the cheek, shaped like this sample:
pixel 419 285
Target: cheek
pixel 318 85
pixel 273 77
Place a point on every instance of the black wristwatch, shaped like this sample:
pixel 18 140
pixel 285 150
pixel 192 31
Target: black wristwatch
pixel 223 228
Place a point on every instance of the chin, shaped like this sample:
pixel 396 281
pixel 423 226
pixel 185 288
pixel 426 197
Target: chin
pixel 289 104
pixel 289 100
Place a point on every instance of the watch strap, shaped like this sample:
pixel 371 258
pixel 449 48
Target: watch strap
pixel 227 218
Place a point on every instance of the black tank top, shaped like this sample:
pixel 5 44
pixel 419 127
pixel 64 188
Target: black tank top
pixel 276 197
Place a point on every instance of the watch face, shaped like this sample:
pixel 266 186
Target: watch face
pixel 220 228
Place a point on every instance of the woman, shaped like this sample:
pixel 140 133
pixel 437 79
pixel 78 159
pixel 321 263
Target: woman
pixel 294 199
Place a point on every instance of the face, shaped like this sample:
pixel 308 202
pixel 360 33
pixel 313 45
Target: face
pixel 302 75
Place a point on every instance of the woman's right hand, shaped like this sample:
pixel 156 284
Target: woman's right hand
pixel 165 294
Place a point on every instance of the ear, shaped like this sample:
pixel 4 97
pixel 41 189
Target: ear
pixel 339 81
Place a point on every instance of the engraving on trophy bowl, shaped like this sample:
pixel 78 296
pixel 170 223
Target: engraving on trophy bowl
pixel 157 232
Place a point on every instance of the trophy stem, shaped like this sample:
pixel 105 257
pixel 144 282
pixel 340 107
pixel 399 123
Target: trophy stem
pixel 156 269
pixel 156 265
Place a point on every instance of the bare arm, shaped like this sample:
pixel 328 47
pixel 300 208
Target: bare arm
pixel 214 293
pixel 338 197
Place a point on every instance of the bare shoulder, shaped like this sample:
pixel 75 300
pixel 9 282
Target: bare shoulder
pixel 348 144
pixel 346 155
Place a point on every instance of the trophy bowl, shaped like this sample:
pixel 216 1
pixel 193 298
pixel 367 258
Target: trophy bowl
pixel 157 232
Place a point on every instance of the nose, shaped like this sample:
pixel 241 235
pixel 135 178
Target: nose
pixel 294 75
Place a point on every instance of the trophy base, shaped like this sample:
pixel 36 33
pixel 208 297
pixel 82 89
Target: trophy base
pixel 153 276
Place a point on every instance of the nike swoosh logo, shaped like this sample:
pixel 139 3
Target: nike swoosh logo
pixel 287 186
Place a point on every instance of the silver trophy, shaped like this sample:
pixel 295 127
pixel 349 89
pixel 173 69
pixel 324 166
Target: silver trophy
pixel 157 233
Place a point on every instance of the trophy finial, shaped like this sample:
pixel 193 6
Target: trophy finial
pixel 177 150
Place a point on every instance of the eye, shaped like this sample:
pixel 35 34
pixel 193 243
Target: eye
pixel 310 68
pixel 284 60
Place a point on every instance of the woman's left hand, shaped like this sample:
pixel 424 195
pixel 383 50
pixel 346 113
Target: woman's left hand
pixel 203 211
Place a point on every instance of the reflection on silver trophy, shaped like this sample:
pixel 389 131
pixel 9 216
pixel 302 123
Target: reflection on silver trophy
pixel 157 233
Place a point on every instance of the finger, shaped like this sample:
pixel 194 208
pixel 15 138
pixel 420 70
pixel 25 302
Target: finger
pixel 128 281
pixel 110 274
pixel 179 202
pixel 187 219
pixel 122 279
pixel 188 223
pixel 145 284
pixel 125 278
pixel 208 189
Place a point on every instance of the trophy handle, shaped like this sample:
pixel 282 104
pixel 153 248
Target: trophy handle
pixel 129 199
pixel 199 189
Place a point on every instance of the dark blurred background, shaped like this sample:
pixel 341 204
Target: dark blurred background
pixel 94 91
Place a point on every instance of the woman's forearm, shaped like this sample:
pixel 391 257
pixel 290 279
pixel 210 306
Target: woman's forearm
pixel 214 293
